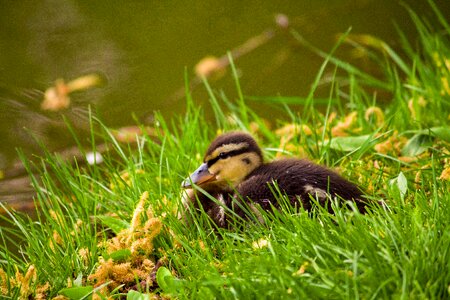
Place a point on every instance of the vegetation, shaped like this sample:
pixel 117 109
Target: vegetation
pixel 101 229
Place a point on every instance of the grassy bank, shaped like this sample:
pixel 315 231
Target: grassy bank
pixel 102 229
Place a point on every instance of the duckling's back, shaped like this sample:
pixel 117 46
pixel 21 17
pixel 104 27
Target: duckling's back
pixel 298 179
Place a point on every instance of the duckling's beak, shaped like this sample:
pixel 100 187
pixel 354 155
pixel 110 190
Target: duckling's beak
pixel 201 175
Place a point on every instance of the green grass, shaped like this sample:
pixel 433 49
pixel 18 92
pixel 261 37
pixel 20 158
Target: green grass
pixel 398 250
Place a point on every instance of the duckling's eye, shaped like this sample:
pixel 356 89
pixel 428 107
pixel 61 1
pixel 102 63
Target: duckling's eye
pixel 222 155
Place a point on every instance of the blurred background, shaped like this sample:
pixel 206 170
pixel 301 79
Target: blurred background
pixel 141 50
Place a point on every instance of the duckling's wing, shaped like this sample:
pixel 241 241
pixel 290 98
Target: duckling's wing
pixel 296 179
pixel 267 184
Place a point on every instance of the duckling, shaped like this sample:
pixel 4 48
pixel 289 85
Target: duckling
pixel 234 170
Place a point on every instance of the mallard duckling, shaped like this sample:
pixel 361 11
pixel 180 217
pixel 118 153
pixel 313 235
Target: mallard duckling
pixel 233 169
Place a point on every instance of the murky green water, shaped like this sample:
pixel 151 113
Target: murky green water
pixel 142 49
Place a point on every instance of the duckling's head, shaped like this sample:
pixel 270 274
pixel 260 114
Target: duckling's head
pixel 228 160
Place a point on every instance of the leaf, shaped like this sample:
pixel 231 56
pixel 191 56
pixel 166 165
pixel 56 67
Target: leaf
pixel 163 276
pixel 205 293
pixel 416 145
pixel 135 295
pixel 119 255
pixel 116 225
pixel 423 139
pixel 402 184
pixel 77 293
pixel 442 133
pixel 167 282
pixel 348 143
pixel 79 280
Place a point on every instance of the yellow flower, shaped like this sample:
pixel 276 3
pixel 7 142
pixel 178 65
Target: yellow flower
pixel 208 65
pixel 343 127
pixel 414 104
pixel 374 110
pixel 293 129
pixel 445 86
pixel 139 266
pixel 392 144
pixel 261 243
pixel 445 175
pixel 302 269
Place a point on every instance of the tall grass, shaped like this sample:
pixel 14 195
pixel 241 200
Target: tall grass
pixel 396 150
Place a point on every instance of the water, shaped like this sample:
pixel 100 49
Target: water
pixel 142 48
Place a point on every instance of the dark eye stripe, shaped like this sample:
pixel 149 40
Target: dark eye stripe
pixel 224 155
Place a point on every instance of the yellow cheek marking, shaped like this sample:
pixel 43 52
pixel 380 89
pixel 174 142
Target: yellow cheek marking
pixel 235 169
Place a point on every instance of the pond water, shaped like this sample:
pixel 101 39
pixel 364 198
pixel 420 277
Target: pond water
pixel 141 49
